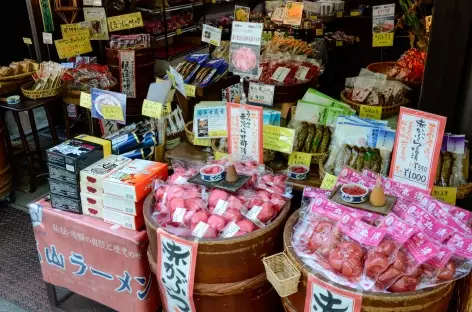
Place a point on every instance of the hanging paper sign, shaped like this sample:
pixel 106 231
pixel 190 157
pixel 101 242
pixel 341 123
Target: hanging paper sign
pixel 245 132
pixel 190 90
pixel 126 21
pixel 152 109
pixel 428 22
pixel 127 72
pixel 97 20
pixel 46 14
pixel 370 111
pixel 278 15
pixel 322 296
pixel 47 38
pixel 71 30
pixel 241 13
pixel 299 158
pixel 86 100
pixel 27 40
pixel 417 147
pixel 176 259
pixel 73 46
pixel 211 35
pixel 383 20
pixel 108 99
pixel 293 13
pixel 93 2
pixel 261 94
pixel 278 139
pixel 445 194
pixel 329 181
pixel 210 122
pixel 245 48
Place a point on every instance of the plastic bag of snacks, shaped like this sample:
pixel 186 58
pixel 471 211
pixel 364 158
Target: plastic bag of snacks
pixel 87 76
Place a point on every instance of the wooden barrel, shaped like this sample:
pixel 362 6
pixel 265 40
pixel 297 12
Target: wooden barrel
pixel 5 172
pixel 144 62
pixel 434 299
pixel 229 274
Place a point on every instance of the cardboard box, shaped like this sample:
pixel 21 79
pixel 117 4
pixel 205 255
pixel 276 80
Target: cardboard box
pixel 92 205
pixel 90 189
pixel 123 205
pixel 123 219
pixel 133 181
pixel 74 155
pixel 97 172
pixel 66 203
pixel 65 189
pixel 106 144
pixel 61 174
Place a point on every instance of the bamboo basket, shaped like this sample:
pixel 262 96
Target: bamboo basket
pixel 464 190
pixel 189 133
pixel 18 77
pixel 35 95
pixel 384 67
pixel 387 111
pixel 282 274
pixel 322 170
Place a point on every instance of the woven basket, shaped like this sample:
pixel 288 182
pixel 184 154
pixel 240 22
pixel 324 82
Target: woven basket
pixel 189 133
pixel 387 111
pixel 384 67
pixel 35 95
pixel 322 170
pixel 464 190
pixel 17 77
pixel 282 274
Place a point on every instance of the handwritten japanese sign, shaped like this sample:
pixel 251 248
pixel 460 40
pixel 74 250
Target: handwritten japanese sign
pixel 261 94
pixel 27 41
pixel 245 132
pixel 127 72
pixel 72 251
pixel 383 20
pixel 299 158
pixel 322 296
pixel 417 147
pixel 86 100
pixel 71 30
pixel 278 138
pixel 73 46
pixel 329 181
pixel 47 38
pixel 370 111
pixel 46 14
pixel 210 122
pixel 152 109
pixel 190 90
pixel 176 271
pixel 111 112
pixel 383 40
pixel 126 21
pixel 445 194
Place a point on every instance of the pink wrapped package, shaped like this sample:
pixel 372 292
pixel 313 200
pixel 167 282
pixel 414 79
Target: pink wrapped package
pixel 460 214
pixel 273 183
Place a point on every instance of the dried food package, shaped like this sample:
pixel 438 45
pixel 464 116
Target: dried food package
pixel 446 169
pixel 457 174
pixel 317 139
pixel 309 138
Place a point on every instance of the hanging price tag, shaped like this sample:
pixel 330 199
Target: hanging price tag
pixel 86 100
pixel 382 39
pixel 261 94
pixel 190 90
pixel 167 109
pixel 299 158
pixel 372 112
pixel 152 109
pixel 27 40
pixel 328 182
pixel 445 194
pixel 112 112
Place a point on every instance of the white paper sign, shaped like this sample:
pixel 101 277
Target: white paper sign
pixel 247 33
pixel 383 10
pixel 93 2
pixel 200 229
pixel 253 213
pixel 179 81
pixel 47 38
pixel 261 94
pixel 178 215
pixel 127 73
pixel 280 73
pixel 211 35
pixel 230 230
pixel 221 207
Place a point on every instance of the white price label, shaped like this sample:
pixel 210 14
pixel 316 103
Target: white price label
pixel 211 35
pixel 301 72
pixel 221 207
pixel 93 2
pixel 230 230
pixel 280 74
pixel 178 215
pixel 47 38
pixel 253 213
pixel 200 229
pixel 261 93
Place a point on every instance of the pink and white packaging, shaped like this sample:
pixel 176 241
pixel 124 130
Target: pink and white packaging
pixel 96 173
pixel 90 188
pixel 460 214
pixel 122 205
pixel 418 250
pixel 447 219
pixel 435 230
pixel 93 201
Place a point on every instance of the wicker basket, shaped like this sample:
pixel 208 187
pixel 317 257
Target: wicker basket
pixel 384 67
pixel 322 170
pixel 35 95
pixel 189 131
pixel 282 274
pixel 387 111
pixel 464 190
pixel 17 77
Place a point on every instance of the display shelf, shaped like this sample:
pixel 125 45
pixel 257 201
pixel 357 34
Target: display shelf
pixel 170 9
pixel 178 51
pixel 173 33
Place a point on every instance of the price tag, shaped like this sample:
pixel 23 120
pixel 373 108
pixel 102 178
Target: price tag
pixel 178 215
pixel 47 38
pixel 126 21
pixel 167 109
pixel 339 14
pixel 261 94
pixel 220 155
pixel 278 15
pixel 382 39
pixel 278 138
pixel 339 43
pixel 253 213
pixel 200 229
pixel 319 32
pixel 221 207
pixel 201 142
pixel 27 40
pixel 445 194
pixel 112 112
pixel 230 230
pixel 328 182
pixel 190 90
pixel 299 158
pixel 372 112
pixel 86 100
pixel 178 31
pixel 355 13
pixel 211 35
pixel 152 109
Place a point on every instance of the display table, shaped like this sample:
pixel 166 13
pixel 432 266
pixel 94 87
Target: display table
pixel 100 261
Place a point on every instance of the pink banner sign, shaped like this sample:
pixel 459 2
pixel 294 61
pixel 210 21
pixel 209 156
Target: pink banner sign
pixel 176 258
pixel 103 262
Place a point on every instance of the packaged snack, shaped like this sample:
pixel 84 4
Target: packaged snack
pixel 74 155
pixel 460 214
pixel 95 173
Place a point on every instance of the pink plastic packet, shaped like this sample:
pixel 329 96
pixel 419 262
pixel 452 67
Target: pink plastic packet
pixel 460 214
pixel 435 230
pixel 438 269
pixel 273 183
pixel 447 219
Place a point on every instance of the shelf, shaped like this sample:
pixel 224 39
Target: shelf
pixel 173 33
pixel 170 9
pixel 176 52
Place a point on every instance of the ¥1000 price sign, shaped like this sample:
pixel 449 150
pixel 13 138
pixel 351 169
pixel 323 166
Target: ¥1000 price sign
pixel 261 94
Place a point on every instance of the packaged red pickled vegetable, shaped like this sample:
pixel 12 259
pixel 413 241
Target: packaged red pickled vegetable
pixel 460 214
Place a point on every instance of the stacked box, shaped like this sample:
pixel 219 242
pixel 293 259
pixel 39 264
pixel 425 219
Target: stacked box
pixel 91 183
pixel 126 189
pixel 65 162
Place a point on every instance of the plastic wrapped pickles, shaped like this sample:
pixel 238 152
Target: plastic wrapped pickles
pixel 310 138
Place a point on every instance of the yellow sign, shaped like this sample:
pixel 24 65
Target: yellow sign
pixel 126 21
pixel 339 14
pixel 27 40
pixel 298 158
pixel 339 43
pixel 70 30
pixel 445 194
pixel 201 142
pixel 329 182
pixel 382 39
pixel 319 32
pixel 220 155
pixel 278 138
pixel 171 78
pixel 111 112
pixel 428 22
pixel 313 17
pixel 167 109
pixel 170 95
pixel 218 133
pixel 355 13
pixel 86 100
pixel 152 109
pixel 214 42
pixel 178 31
pixel 190 90
pixel 372 112
pixel 213 1
pixel 73 46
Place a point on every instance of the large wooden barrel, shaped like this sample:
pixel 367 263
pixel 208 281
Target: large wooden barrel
pixel 144 62
pixel 426 300
pixel 229 274
pixel 5 172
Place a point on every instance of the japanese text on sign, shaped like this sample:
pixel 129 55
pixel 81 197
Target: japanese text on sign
pixel 299 158
pixel 445 194
pixel 27 40
pixel 382 39
pixel 152 109
pixel 247 33
pixel 112 112
pixel 329 181
pixel 383 21
pixel 86 100
pixel 70 30
pixel 370 111
pixel 128 73
pixel 417 147
pixel 261 93
pixel 211 35
pixel 73 46
pixel 278 138
pixel 386 10
pixel 126 21
pixel 175 271
pixel 47 38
